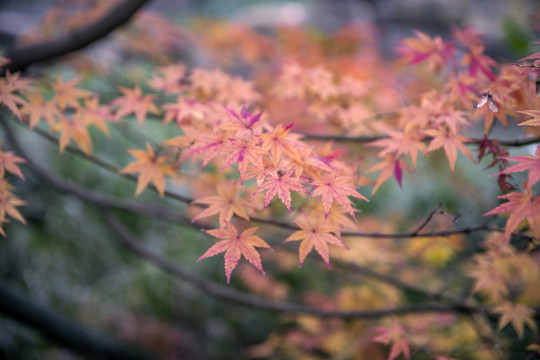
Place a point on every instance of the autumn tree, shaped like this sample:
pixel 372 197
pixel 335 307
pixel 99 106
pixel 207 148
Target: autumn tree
pixel 379 207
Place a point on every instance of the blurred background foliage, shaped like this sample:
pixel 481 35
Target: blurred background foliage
pixel 67 258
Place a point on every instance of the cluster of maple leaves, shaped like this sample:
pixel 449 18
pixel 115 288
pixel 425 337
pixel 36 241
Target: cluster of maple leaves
pixel 258 136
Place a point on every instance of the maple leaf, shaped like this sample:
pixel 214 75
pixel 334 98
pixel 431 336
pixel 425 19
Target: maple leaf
pixel 281 185
pixel 210 144
pixel 235 246
pixel 281 142
pixel 517 314
pixel 424 48
pixel 94 114
pixel 8 162
pixel 450 141
pixel 168 79
pixel 390 165
pixel 394 335
pixel 243 124
pixel 67 94
pixel 401 143
pixel 8 204
pixel 314 233
pixel 522 206
pixel 535 121
pixel 477 61
pixel 36 108
pixel 150 167
pixel 463 90
pixel 8 97
pixel 332 187
pixel 183 109
pixel 244 153
pixel 72 128
pixel 133 101
pixel 225 204
pixel 526 163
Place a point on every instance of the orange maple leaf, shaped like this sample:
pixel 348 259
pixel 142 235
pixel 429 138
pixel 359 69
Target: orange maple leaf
pixel 133 101
pixel 94 114
pixel 332 187
pixel 517 314
pixel 150 167
pixel 225 204
pixel 38 109
pixel 394 335
pixel 526 163
pixel 390 165
pixel 281 185
pixel 67 94
pixel 401 143
pixel 8 162
pixel 8 204
pixel 235 246
pixel 314 233
pixel 535 121
pixel 522 206
pixel 450 141
pixel 8 97
pixel 73 128
pixel 281 142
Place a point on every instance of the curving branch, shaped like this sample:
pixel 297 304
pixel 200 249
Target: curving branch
pixel 62 330
pixel 366 139
pixel 230 294
pixel 26 55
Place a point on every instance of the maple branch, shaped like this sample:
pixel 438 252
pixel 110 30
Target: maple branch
pixel 228 293
pixel 427 219
pixel 364 139
pixel 23 56
pixel 160 212
pixel 62 330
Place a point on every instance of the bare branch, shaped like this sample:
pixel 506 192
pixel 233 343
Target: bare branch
pixel 23 56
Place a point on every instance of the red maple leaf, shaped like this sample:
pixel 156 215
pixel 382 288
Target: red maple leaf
pixel 526 163
pixel 332 187
pixel 243 153
pixel 314 233
pixel 280 185
pixel 521 206
pixel 477 61
pixel 234 246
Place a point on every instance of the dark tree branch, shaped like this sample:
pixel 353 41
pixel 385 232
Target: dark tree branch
pixel 365 139
pixel 230 294
pixel 61 330
pixel 23 56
